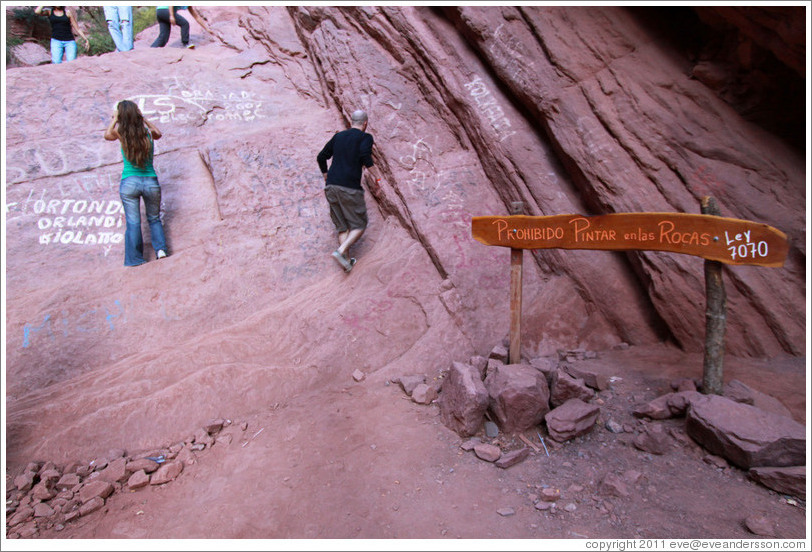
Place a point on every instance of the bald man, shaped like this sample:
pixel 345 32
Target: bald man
pixel 351 152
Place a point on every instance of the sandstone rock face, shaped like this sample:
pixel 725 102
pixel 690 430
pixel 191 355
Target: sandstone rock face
pixel 745 435
pixel 463 400
pixel 569 110
pixel 519 396
pixel 29 54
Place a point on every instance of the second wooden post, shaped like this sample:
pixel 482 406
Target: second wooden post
pixel 715 316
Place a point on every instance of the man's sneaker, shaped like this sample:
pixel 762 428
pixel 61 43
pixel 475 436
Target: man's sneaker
pixel 161 253
pixel 190 46
pixel 352 264
pixel 340 259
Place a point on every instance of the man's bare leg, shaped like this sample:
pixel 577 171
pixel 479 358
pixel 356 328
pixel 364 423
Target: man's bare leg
pixel 351 238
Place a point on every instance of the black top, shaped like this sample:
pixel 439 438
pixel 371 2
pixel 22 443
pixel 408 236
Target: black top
pixel 350 150
pixel 60 26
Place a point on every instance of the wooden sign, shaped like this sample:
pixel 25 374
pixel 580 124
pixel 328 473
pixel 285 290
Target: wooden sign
pixel 727 240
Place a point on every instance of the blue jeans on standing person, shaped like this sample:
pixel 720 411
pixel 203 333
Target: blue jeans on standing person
pixel 131 190
pixel 63 47
pixel 120 24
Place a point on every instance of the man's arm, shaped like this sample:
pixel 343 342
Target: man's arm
pixel 366 151
pixel 325 154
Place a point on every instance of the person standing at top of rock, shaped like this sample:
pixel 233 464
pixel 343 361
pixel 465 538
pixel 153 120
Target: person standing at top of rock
pixel 138 180
pixel 63 26
pixel 351 151
pixel 120 24
pixel 168 16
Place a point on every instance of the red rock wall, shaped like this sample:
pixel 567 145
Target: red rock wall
pixel 576 110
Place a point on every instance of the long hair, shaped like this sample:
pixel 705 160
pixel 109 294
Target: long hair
pixel 135 138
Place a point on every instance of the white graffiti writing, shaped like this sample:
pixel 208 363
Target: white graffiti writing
pixel 79 221
pixel 192 106
pixel 489 108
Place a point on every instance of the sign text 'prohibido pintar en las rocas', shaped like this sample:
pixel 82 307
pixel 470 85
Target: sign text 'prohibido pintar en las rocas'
pixel 727 240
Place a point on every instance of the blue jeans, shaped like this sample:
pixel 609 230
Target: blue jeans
pixel 120 24
pixel 60 47
pixel 131 190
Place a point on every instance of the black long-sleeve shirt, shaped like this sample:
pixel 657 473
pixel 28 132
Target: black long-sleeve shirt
pixel 350 150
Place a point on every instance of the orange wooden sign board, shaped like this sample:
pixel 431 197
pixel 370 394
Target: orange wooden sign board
pixel 727 240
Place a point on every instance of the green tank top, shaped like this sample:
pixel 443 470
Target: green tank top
pixel 132 170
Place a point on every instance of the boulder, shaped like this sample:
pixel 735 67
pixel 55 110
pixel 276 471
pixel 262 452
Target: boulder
pixel 68 482
pixel 564 387
pixel 187 456
pixel 91 506
pixel 786 480
pixel 653 439
pixel 25 481
pixel 424 394
pixel 166 473
pixel 480 363
pixel 214 426
pixel 744 435
pixel 115 472
pixel 492 366
pixel 679 402
pixel 138 479
pixel 592 378
pixel 519 396
pixel 740 392
pixel 512 458
pixel 408 383
pixel 613 485
pixel 760 525
pixel 94 489
pixel 499 353
pixel 463 400
pixel 50 475
pixel 546 366
pixel 21 515
pixel 145 464
pixel 571 419
pixel 43 491
pixel 487 452
pixel 41 509
pixel 666 406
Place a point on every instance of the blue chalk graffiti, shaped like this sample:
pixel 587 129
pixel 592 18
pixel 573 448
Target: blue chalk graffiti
pixel 28 328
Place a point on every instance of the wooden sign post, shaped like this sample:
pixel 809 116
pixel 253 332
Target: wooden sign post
pixel 715 317
pixel 516 261
pixel 716 239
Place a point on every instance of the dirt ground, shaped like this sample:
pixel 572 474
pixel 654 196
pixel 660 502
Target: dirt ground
pixel 360 460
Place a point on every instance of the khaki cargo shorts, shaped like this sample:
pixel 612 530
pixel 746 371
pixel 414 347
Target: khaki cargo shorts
pixel 348 210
